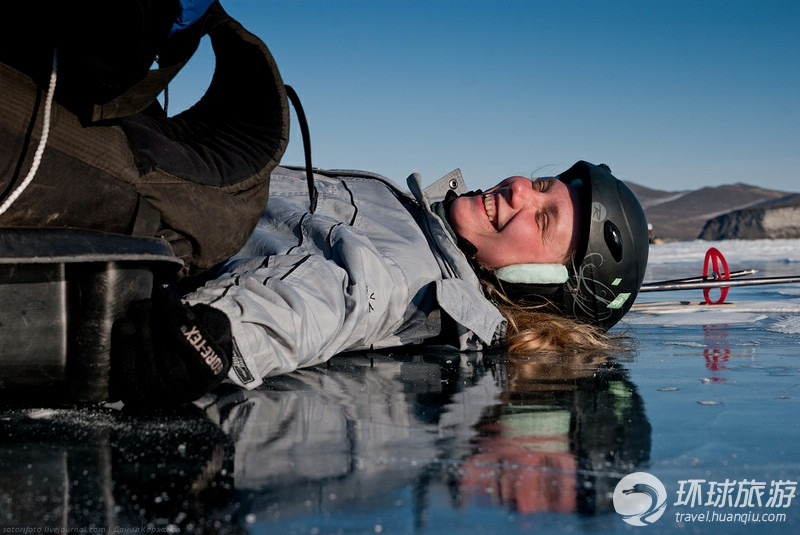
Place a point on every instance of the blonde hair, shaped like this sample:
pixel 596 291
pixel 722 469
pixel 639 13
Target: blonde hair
pixel 533 328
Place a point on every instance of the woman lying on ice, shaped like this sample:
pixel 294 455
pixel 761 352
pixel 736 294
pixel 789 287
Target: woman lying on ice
pixel 548 264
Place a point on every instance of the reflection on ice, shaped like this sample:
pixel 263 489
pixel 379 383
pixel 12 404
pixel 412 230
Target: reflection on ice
pixel 488 432
pixel 401 438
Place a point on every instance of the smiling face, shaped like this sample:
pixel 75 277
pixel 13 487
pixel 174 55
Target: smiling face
pixel 519 221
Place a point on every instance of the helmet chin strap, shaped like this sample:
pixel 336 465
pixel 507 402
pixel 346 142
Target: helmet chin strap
pixel 466 246
pixel 529 284
pixel 533 274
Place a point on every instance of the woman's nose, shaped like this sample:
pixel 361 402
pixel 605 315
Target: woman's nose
pixel 521 193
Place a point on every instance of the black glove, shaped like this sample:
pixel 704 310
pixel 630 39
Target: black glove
pixel 165 353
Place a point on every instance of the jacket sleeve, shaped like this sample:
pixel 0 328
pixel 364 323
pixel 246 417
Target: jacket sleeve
pixel 295 311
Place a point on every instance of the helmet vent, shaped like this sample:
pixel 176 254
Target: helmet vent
pixel 613 239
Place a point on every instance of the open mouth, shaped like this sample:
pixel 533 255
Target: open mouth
pixel 490 208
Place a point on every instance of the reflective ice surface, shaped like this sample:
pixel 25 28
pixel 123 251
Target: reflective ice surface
pixel 422 442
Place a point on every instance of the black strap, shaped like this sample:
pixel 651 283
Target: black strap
pixel 174 55
pixel 301 117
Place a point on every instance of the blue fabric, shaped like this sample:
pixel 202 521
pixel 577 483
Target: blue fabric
pixel 190 12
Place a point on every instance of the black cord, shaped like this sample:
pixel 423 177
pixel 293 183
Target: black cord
pixel 301 117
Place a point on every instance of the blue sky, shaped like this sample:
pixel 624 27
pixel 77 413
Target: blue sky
pixel 672 94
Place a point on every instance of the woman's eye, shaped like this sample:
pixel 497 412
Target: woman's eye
pixel 542 185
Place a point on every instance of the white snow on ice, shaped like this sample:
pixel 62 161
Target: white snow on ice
pixel 736 252
pixel 789 325
pixel 784 307
pixel 679 318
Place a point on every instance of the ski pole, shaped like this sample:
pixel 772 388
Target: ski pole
pixel 714 277
pixel 712 283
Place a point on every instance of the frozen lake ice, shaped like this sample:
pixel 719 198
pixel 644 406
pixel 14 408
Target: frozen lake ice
pixel 705 402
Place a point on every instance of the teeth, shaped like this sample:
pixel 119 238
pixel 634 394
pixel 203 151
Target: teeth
pixel 488 204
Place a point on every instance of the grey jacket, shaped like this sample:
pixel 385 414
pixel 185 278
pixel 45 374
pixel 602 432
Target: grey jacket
pixel 373 267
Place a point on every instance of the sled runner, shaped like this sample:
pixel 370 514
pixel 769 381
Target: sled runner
pixel 62 290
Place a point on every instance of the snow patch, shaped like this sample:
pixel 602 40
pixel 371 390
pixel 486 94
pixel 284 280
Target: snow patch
pixel 790 325
pixel 736 252
pixel 43 414
pixel 675 318
pixel 684 344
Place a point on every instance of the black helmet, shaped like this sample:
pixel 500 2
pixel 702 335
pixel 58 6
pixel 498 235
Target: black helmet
pixel 611 258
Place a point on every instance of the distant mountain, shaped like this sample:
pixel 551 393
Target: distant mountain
pixel 778 218
pixel 682 215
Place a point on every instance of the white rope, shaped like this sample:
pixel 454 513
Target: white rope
pixel 37 157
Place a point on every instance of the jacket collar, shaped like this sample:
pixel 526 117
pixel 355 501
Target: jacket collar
pixel 479 315
pixel 452 181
